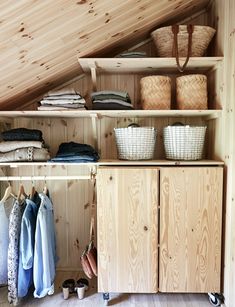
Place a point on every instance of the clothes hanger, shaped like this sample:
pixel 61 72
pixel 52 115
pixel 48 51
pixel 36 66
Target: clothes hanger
pixel 45 189
pixel 33 190
pixel 8 193
pixel 21 192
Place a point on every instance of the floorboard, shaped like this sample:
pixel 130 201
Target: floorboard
pixel 94 299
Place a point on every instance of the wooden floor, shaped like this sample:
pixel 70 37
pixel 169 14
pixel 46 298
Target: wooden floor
pixel 94 299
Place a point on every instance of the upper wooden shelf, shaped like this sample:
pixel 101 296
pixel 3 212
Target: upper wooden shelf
pixel 111 113
pixel 139 65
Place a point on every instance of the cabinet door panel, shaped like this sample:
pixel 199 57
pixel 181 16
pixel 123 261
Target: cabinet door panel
pixel 190 229
pixel 127 204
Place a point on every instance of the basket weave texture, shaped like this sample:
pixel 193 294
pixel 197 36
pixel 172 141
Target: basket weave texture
pixel 184 142
pixel 155 93
pixel 201 37
pixel 135 143
pixel 191 92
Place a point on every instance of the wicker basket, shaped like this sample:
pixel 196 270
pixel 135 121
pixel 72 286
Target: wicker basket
pixel 191 92
pixel 135 143
pixel 155 93
pixel 184 142
pixel 164 38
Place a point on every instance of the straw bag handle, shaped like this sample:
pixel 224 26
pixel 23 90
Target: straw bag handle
pixel 92 225
pixel 175 30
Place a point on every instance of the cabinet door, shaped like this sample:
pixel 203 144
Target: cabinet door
pixel 190 229
pixel 127 206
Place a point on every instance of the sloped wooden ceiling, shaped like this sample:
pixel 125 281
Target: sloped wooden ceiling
pixel 40 40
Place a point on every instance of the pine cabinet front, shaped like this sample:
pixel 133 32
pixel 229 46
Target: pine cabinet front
pixel 127 226
pixel 190 229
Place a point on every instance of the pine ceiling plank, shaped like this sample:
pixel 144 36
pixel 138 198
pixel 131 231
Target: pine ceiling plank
pixel 51 36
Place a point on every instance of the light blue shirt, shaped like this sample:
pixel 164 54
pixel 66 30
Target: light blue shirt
pixel 4 241
pixel 26 248
pixel 45 249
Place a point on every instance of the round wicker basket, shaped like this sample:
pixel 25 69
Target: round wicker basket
pixel 155 93
pixel 191 92
pixel 184 142
pixel 201 37
pixel 135 143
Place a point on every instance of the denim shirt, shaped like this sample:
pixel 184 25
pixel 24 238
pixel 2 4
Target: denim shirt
pixel 45 249
pixel 26 248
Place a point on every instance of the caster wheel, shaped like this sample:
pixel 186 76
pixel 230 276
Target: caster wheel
pixel 214 299
pixel 106 298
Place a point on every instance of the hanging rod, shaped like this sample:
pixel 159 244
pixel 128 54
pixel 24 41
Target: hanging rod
pixel 44 178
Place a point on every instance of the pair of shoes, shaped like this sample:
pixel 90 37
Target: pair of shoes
pixel 70 287
pixel 83 281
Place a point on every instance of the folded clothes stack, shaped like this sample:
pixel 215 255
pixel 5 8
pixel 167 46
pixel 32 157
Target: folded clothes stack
pixel 111 100
pixel 75 153
pixel 66 99
pixel 132 54
pixel 22 145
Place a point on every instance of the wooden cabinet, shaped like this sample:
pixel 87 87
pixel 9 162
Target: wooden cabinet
pixel 190 229
pixel 127 229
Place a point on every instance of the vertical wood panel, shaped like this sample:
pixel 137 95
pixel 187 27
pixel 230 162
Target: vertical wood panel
pixel 190 229
pixel 127 229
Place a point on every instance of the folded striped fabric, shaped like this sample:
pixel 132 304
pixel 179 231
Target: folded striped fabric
pixel 63 101
pixel 111 100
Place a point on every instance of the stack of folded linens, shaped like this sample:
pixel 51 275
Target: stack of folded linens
pixel 22 145
pixel 111 100
pixel 72 152
pixel 66 99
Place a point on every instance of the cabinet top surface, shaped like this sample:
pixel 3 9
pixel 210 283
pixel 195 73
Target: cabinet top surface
pixel 134 65
pixel 113 162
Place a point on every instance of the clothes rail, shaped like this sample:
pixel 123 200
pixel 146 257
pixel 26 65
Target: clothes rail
pixel 44 178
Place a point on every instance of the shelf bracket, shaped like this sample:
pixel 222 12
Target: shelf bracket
pixel 94 122
pixel 93 67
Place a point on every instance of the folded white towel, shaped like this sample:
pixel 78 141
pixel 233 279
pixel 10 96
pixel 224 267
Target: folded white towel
pixel 55 97
pixel 62 101
pixel 63 91
pixel 57 108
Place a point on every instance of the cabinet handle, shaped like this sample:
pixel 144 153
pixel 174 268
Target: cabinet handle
pixel 145 228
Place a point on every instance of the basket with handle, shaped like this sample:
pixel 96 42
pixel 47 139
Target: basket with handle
pixel 135 143
pixel 155 93
pixel 191 92
pixel 182 41
pixel 184 142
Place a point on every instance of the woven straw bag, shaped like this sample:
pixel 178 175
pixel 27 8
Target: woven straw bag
pixel 182 41
pixel 191 92
pixel 155 93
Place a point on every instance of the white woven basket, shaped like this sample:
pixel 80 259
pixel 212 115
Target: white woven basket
pixel 135 143
pixel 184 142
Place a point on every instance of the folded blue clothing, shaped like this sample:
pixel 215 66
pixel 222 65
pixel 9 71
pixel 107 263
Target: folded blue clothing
pixel 71 158
pixel 76 152
pixel 71 161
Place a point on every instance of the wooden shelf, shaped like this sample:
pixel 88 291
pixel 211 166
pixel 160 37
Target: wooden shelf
pixel 111 113
pixel 113 162
pixel 140 65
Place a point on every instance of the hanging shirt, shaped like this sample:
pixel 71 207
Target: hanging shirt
pixel 45 250
pixel 26 248
pixel 4 242
pixel 13 251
